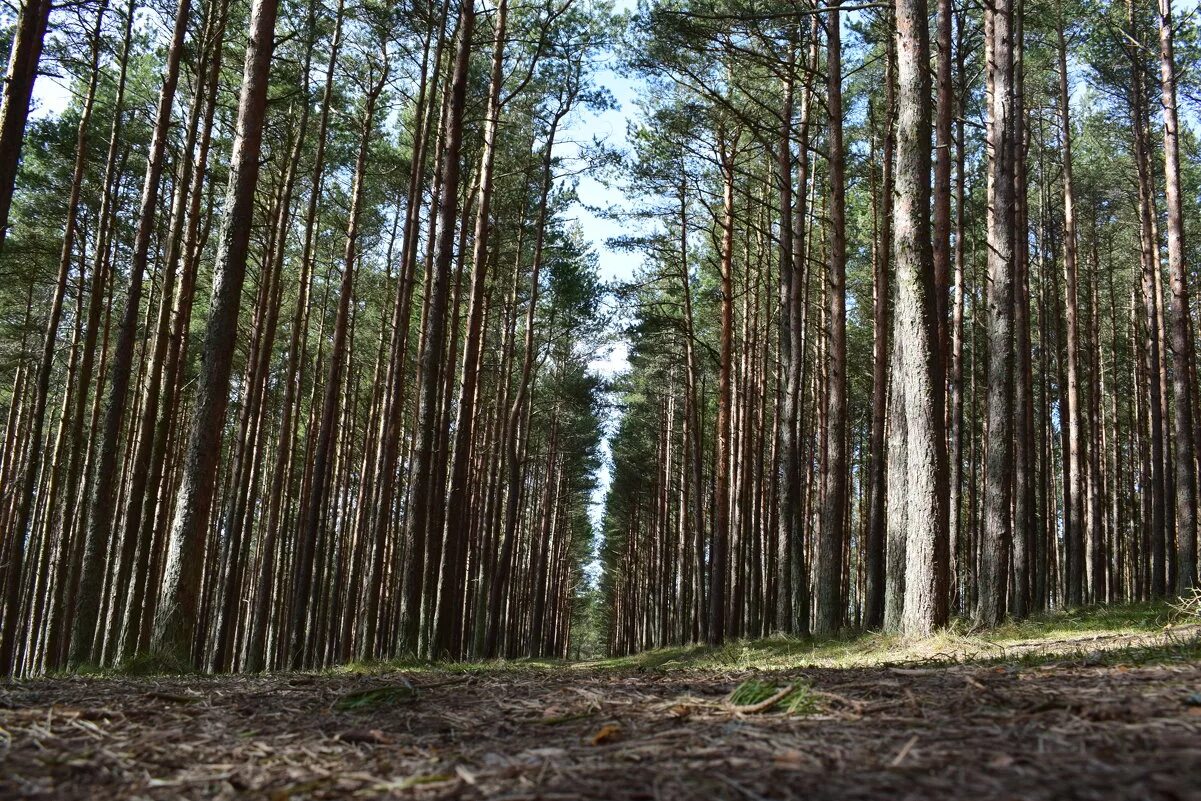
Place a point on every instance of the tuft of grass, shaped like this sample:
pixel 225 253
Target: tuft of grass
pixel 801 701
pixel 376 697
pixel 763 696
pixel 752 691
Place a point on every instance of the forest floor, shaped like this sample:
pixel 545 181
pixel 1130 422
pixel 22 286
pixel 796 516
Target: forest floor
pixel 1103 703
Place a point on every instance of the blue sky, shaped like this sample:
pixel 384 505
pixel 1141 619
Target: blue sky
pixel 611 125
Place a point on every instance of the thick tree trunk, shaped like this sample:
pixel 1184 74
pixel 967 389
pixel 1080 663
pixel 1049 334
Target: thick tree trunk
pixel 175 619
pixel 23 59
pixel 917 494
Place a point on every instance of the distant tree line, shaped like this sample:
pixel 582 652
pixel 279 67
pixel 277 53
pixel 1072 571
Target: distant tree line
pixel 295 326
pixel 913 338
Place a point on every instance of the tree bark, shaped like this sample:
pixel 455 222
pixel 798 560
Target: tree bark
pixel 301 644
pixel 175 620
pixel 260 615
pixel 875 569
pixel 448 635
pixel 100 524
pixel 829 609
pixel 23 59
pixel 424 493
pixel 1074 479
pixel 9 632
pixel 998 490
pixel 1181 334
pixel 917 493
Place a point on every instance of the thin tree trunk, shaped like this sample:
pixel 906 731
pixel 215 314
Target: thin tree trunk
pixel 876 559
pixel 998 489
pixel 424 493
pixel 955 379
pixel 260 616
pixel 1154 554
pixel 1074 523
pixel 1181 336
pixel 830 608
pixel 301 643
pixel 517 427
pixel 448 636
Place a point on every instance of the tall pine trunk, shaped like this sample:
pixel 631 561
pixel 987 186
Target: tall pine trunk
pixel 1181 344
pixel 830 607
pixel 23 59
pixel 175 620
pixel 424 493
pixel 917 494
pixel 998 489
pixel 101 524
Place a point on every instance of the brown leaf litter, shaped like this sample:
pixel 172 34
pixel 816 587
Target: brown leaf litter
pixel 1068 730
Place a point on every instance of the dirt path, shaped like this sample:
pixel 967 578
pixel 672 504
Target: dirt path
pixel 1059 731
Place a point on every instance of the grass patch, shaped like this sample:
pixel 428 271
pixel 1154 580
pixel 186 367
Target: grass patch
pixel 1094 634
pixel 141 665
pixel 1049 637
pixel 1101 620
pixel 154 664
pixel 376 667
